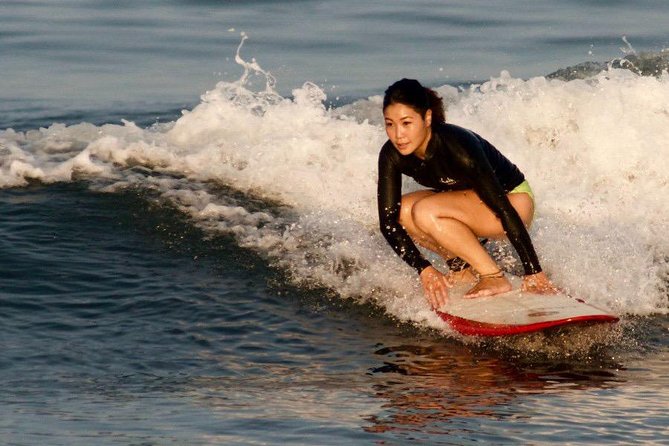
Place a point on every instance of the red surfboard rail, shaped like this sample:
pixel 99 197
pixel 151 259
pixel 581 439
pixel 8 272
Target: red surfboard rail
pixel 474 328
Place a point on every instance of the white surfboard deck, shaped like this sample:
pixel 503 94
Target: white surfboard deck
pixel 516 312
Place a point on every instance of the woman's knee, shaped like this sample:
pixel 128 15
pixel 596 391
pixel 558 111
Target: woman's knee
pixel 407 204
pixel 423 215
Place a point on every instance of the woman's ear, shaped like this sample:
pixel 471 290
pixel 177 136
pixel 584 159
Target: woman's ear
pixel 428 118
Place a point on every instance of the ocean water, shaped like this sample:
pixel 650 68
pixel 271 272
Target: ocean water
pixel 189 250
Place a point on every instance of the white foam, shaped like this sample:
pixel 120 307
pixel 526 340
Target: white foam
pixel 595 152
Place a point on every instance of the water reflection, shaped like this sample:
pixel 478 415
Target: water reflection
pixel 431 385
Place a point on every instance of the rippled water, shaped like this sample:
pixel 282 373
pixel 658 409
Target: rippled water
pixel 121 324
pixel 216 276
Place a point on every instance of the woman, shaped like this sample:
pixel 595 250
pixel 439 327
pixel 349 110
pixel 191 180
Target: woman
pixel 474 192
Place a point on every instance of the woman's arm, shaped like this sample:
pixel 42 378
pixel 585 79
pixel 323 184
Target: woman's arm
pixel 389 199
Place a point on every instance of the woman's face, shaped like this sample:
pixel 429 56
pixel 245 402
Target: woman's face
pixel 407 129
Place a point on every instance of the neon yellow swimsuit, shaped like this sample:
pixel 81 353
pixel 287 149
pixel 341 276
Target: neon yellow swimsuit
pixel 523 188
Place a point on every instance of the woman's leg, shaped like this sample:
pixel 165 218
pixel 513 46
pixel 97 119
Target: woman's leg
pixel 459 275
pixel 455 220
pixel 406 220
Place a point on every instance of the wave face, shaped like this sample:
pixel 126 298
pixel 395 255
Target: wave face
pixel 594 150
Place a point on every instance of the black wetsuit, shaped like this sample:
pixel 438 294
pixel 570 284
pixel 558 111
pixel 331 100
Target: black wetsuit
pixel 455 159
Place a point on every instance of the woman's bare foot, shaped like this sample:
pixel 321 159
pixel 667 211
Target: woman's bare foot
pixel 489 286
pixel 463 276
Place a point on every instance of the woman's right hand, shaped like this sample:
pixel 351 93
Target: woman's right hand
pixel 435 286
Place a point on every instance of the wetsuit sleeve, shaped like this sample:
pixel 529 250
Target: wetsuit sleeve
pixel 389 198
pixel 484 181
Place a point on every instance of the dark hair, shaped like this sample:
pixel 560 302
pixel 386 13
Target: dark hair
pixel 410 92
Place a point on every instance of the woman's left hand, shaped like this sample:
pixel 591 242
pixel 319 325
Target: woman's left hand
pixel 539 284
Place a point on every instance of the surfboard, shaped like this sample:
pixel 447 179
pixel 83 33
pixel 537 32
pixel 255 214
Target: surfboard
pixel 517 312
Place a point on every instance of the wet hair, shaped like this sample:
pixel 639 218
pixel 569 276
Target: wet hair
pixel 410 92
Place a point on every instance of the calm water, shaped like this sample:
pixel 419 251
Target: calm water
pixel 215 276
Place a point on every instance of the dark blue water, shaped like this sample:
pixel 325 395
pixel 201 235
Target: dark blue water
pixel 122 324
pixel 156 290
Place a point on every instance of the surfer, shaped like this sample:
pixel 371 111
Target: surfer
pixel 474 192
